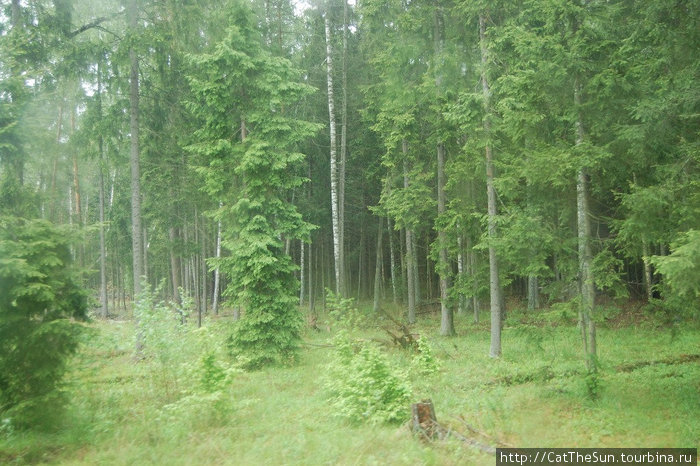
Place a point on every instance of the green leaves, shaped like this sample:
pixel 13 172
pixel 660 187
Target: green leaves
pixel 248 148
pixel 39 301
pixel 682 267
pixel 364 386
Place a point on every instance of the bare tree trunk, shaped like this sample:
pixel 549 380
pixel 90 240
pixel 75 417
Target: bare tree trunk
pixel 104 307
pixel 186 263
pixel 428 271
pixel 533 294
pixel 145 255
pixel 495 285
pixel 379 258
pixel 410 257
pixel 312 288
pixel 343 149
pixel 217 282
pixel 476 302
pixel 195 271
pixel 137 254
pixel 174 266
pixel 416 272
pixel 460 273
pixel 447 318
pixel 586 283
pixel 202 264
pixel 647 270
pixel 59 127
pixel 76 177
pixel 301 272
pixel 360 260
pixel 392 259
pixel 447 327
pixel 337 246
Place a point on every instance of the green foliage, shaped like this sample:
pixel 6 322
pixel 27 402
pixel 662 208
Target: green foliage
pixel 40 301
pixel 363 385
pixel 424 362
pixel 607 271
pixel 593 379
pixel 251 172
pixel 344 313
pixel 681 269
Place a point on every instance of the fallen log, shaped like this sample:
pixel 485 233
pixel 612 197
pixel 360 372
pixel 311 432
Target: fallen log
pixel 680 359
pixel 401 334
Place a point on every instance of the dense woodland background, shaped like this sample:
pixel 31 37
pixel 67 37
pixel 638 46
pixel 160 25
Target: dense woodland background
pixel 323 192
pixel 470 155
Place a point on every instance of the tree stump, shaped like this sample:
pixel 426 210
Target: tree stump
pixel 424 422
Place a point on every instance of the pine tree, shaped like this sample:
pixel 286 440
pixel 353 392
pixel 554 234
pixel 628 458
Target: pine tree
pixel 250 165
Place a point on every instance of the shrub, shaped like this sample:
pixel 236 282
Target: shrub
pixel 40 301
pixel 364 386
pixel 343 312
pixel 424 361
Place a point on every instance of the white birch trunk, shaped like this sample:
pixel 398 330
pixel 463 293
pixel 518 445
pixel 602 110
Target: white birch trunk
pixel 334 161
pixel 217 279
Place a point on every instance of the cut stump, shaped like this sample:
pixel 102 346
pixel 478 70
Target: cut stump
pixel 424 422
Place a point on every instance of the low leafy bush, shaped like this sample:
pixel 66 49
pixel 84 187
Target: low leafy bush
pixel 343 312
pixel 364 386
pixel 424 362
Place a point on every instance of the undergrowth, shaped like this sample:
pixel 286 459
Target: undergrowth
pixel 186 402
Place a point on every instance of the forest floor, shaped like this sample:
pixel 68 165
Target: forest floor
pixel 127 412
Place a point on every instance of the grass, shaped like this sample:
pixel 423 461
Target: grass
pixel 124 412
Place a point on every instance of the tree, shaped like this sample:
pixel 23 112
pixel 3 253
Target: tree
pixel 338 254
pixel 250 166
pixel 136 244
pixel 494 278
pixel 40 297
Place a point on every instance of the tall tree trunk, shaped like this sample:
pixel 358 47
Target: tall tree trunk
pixel 447 327
pixel 59 127
pixel 145 255
pixel 416 271
pixel 337 246
pixel 203 285
pixel 137 253
pixel 378 266
pixel 495 285
pixel 460 273
pixel 76 177
pixel 174 266
pixel 447 319
pixel 429 271
pixel 360 260
pixel 647 271
pixel 410 256
pixel 301 272
pixel 217 279
pixel 312 288
pixel 195 271
pixel 585 256
pixel 392 259
pixel 343 147
pixel 104 308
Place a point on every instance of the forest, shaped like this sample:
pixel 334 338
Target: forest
pixel 258 231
